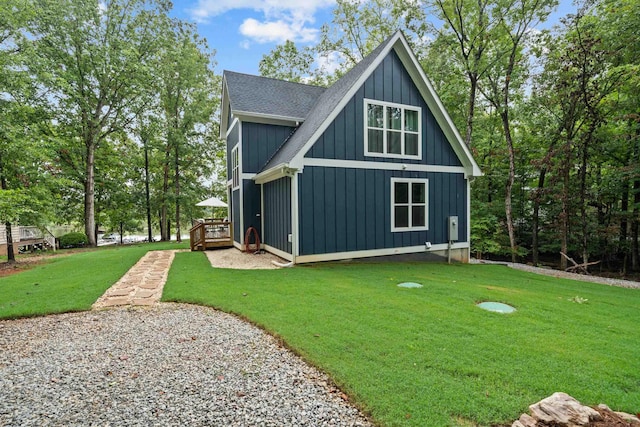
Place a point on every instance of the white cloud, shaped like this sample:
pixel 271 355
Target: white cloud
pixel 283 19
pixel 277 31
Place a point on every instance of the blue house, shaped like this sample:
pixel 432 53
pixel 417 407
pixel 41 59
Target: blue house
pixel 371 166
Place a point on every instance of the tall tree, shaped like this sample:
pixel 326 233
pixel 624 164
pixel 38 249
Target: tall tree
pixel 94 56
pixel 508 65
pixel 469 26
pixel 20 148
pixel 188 102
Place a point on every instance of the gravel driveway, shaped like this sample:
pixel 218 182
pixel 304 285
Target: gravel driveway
pixel 175 364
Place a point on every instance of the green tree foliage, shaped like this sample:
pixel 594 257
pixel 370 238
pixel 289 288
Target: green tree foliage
pixel 187 103
pixel 287 62
pixel 95 58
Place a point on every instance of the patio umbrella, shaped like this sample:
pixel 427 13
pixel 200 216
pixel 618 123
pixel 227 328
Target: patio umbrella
pixel 213 202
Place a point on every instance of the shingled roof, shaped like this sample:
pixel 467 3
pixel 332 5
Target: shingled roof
pixel 324 106
pixel 263 96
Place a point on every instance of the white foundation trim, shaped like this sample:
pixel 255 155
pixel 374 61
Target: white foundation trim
pixel 278 252
pixel 377 252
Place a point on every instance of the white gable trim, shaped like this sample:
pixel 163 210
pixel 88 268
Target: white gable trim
pixel 432 99
pixel 400 45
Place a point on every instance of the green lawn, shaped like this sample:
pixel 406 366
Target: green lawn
pixel 69 283
pixel 429 357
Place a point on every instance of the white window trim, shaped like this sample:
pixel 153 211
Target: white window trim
pixel 235 168
pixel 403 107
pixel 425 181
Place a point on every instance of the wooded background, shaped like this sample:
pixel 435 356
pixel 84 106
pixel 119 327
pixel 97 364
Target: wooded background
pixel 109 114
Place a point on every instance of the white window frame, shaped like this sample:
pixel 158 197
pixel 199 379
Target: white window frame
pixel 235 168
pixel 384 130
pixel 410 204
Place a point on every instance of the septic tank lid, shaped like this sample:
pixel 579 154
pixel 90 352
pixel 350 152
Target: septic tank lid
pixel 496 307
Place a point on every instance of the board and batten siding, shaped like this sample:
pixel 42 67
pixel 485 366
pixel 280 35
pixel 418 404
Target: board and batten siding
pixel 235 215
pixel 251 206
pixel 277 214
pixel 346 209
pixel 344 138
pixel 259 143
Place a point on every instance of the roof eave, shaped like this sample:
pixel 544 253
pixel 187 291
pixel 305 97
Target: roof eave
pixel 250 116
pixel 281 170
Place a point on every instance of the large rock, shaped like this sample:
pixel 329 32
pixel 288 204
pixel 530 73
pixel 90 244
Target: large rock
pixel 562 410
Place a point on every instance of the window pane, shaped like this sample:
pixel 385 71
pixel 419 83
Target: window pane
pixel 401 216
pixel 418 216
pixel 411 120
pixel 374 116
pixel 417 192
pixel 394 142
pixel 375 141
pixel 394 118
pixel 401 191
pixel 411 144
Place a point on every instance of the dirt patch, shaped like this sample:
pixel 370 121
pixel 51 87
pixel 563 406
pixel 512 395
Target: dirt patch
pixel 610 419
pixel 7 269
pixel 233 258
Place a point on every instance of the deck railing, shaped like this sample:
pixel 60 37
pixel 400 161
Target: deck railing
pixel 32 234
pixel 211 233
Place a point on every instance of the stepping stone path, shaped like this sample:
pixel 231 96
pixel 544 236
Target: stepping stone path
pixel 142 284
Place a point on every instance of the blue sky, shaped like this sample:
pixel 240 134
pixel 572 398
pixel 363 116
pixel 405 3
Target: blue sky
pixel 242 31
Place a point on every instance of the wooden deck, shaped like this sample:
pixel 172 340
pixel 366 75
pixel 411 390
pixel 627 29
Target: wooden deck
pixel 209 234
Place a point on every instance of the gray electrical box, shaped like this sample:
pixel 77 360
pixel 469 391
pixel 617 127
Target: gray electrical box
pixel 453 228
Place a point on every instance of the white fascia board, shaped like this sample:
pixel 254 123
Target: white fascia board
pixel 344 101
pixel 278 252
pixel 363 164
pixel 271 119
pixel 224 106
pixel 279 171
pixel 413 67
pixel 336 256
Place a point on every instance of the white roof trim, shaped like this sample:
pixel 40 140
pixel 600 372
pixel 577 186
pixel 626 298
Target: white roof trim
pixel 267 118
pixel 280 171
pixel 428 93
pixel 440 113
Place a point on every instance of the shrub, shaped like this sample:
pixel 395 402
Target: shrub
pixel 73 240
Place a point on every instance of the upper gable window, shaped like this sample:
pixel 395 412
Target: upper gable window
pixel 392 130
pixel 235 167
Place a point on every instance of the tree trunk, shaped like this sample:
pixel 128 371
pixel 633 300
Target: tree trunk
pixel 635 224
pixel 583 201
pixel 121 232
pixel 177 184
pixel 471 107
pixel 536 217
pixel 147 193
pixel 164 220
pixel 564 215
pixel 11 256
pixel 510 181
pixel 89 195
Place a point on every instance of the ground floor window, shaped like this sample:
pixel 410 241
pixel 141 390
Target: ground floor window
pixel 409 198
